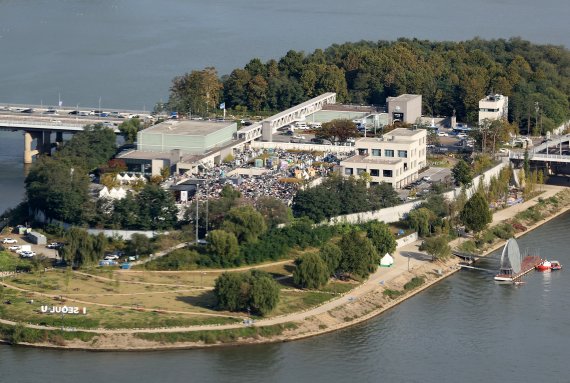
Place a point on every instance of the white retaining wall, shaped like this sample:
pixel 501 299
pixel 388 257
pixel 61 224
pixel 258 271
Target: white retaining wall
pixel 125 234
pixel 301 146
pixel 395 213
pixel 400 242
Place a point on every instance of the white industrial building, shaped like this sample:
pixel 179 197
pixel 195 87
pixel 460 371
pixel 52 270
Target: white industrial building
pixel 396 158
pixel 493 107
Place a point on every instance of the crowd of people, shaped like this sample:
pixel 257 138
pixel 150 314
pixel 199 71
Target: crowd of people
pixel 275 172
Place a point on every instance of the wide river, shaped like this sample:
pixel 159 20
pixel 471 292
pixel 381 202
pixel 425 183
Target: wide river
pixel 124 53
pixel 465 329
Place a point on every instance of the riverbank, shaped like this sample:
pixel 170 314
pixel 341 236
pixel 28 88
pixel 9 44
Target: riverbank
pixel 382 291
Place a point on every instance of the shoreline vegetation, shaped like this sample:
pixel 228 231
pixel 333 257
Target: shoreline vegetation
pixel 384 289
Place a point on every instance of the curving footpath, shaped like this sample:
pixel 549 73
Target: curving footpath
pixel 407 258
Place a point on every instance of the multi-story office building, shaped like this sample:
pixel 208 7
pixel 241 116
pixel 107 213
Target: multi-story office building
pixel 406 108
pixel 396 158
pixel 493 107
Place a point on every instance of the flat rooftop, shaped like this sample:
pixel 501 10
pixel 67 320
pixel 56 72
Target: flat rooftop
pixel 403 97
pixel 396 135
pixel 142 155
pixel 188 127
pixel 372 160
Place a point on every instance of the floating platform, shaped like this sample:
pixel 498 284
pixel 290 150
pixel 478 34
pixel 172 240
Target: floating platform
pixel 528 264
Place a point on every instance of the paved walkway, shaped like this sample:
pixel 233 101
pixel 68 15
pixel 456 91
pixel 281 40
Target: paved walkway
pixel 407 256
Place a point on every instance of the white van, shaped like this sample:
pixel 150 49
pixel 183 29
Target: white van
pixel 301 125
pixel 316 125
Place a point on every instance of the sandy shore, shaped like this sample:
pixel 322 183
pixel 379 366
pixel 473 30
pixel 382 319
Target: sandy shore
pixel 362 303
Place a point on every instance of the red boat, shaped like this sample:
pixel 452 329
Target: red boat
pixel 549 265
pixel 544 266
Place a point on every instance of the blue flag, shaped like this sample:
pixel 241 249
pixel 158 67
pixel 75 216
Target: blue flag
pixel 223 105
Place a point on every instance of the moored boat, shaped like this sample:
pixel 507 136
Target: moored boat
pixel 544 266
pixel 555 265
pixel 513 265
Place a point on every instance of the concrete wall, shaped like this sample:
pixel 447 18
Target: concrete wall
pixel 388 215
pixel 394 214
pixel 125 234
pixel 309 147
pixel 400 242
pixel 485 178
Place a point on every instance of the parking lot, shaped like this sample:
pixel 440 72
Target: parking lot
pixel 38 249
pixel 423 185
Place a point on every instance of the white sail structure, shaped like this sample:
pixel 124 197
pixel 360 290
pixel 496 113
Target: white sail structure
pixel 511 257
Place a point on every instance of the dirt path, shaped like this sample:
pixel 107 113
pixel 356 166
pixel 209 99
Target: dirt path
pixel 405 259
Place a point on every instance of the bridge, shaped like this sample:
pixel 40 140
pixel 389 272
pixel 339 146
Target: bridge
pixel 556 149
pixel 553 155
pixel 266 128
pixel 40 122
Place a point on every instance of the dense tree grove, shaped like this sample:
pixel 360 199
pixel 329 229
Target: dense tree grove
pixel 359 256
pixel 58 185
pixel 381 237
pixel 450 76
pixel 311 272
pixel 253 291
pixel 338 195
pixel 476 214
pixel 437 247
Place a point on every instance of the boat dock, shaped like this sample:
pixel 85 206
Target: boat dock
pixel 527 265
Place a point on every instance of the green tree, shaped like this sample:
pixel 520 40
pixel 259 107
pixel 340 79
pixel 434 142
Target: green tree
pixel 273 210
pixel 311 272
pixel 79 250
pixel 138 245
pixel 476 214
pixel 265 294
pixel 316 203
pixel 232 291
pixel 157 208
pixel 197 92
pixel 58 189
pixel 383 195
pixel 90 148
pixel 526 163
pixel 223 248
pixel 437 247
pixel 381 237
pixel 129 129
pixel 331 255
pixel 421 220
pixel 338 130
pixel 359 257
pixel 246 223
pixel 462 173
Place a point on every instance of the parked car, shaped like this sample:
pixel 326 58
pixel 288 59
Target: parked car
pixel 442 134
pixel 54 245
pixel 111 257
pixel 9 241
pixel 27 254
pixel 15 248
pixel 426 178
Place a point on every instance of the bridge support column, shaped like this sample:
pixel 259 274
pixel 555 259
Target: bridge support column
pixel 59 138
pixel 46 148
pixel 266 133
pixel 28 152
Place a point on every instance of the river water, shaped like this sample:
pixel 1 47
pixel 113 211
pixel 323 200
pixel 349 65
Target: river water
pixel 465 329
pixel 124 53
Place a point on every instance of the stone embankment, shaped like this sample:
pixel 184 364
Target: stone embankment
pixel 382 291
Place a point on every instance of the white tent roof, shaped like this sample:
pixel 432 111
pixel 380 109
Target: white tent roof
pixel 387 260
